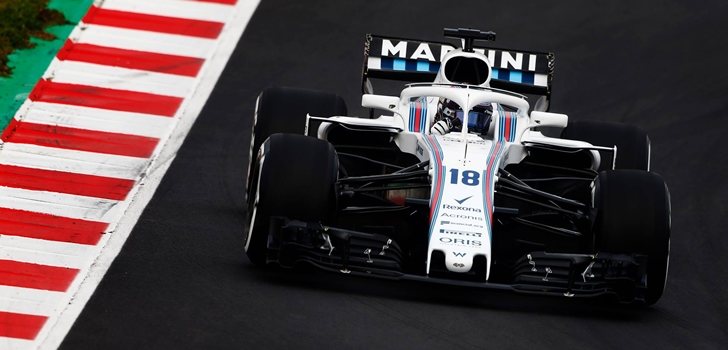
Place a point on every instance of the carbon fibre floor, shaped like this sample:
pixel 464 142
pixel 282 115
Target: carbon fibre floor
pixel 182 280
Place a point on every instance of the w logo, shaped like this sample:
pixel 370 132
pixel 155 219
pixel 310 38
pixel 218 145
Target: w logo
pixel 461 255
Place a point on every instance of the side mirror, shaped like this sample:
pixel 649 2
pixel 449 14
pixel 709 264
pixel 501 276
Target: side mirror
pixel 380 102
pixel 548 119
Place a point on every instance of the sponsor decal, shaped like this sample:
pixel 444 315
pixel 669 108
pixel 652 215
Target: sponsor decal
pixel 461 241
pixel 461 216
pixel 452 139
pixel 420 150
pixel 461 201
pixel 434 52
pixel 457 223
pixel 461 233
pixel 461 208
pixel 411 50
pixel 458 254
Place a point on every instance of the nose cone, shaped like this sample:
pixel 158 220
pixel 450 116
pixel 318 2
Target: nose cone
pixel 458 261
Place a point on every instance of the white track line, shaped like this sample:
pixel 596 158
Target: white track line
pixel 98 119
pixel 82 73
pixel 29 301
pixel 12 343
pixel 138 40
pixel 58 159
pixel 68 205
pixel 205 11
pixel 39 251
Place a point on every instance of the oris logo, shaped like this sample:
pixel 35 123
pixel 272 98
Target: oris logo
pixel 461 241
pixel 462 208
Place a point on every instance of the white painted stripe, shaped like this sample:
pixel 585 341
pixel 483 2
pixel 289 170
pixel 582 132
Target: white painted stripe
pixel 16 344
pixel 29 301
pixel 139 40
pixel 50 253
pixel 374 63
pixel 540 80
pixel 98 119
pixel 61 204
pixel 205 11
pixel 80 291
pixel 72 161
pixel 82 73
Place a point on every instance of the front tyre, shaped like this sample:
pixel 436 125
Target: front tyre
pixel 633 217
pixel 283 110
pixel 294 177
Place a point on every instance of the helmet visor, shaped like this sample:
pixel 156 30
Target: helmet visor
pixel 478 122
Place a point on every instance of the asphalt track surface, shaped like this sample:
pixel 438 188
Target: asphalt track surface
pixel 182 280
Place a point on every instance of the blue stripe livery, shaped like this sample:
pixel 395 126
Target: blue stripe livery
pixel 407 65
pixel 514 76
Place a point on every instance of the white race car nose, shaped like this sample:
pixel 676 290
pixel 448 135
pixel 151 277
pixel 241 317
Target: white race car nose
pixel 457 261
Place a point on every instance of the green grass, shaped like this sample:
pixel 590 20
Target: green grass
pixel 19 21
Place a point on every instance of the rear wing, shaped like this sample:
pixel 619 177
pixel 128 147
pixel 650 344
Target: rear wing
pixel 525 72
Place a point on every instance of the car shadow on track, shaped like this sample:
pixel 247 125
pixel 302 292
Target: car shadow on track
pixel 312 279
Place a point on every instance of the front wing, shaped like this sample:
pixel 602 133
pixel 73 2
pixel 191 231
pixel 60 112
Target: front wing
pixel 292 242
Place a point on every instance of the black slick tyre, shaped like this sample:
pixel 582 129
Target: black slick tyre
pixel 294 177
pixel 283 110
pixel 633 217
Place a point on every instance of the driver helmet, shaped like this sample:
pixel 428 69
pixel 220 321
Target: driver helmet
pixel 447 111
pixel 479 116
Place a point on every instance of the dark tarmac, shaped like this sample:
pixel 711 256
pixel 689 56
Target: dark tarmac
pixel 182 280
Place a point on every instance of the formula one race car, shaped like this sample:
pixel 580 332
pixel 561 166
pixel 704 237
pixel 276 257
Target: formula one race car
pixel 459 182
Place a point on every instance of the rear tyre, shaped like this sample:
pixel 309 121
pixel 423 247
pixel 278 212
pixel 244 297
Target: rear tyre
pixel 633 144
pixel 295 178
pixel 283 110
pixel 633 216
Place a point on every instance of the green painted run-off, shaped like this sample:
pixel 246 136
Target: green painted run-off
pixel 30 64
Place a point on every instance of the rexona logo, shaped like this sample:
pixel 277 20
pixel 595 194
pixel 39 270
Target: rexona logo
pixel 461 241
pixel 462 208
